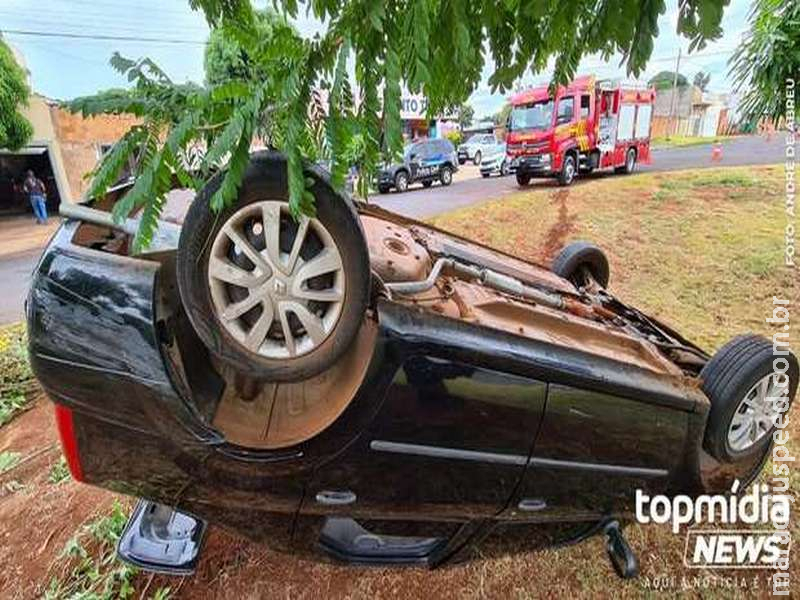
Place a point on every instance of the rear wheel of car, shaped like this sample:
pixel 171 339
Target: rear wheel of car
pixel 739 380
pixel 446 176
pixel 383 189
pixel 477 158
pixel 485 175
pixel 523 179
pixel 401 181
pixel 427 183
pixel 569 170
pixel 630 162
pixel 578 259
pixel 276 298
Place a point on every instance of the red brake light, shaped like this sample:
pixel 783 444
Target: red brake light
pixel 69 445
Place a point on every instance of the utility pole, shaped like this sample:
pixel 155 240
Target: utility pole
pixel 674 86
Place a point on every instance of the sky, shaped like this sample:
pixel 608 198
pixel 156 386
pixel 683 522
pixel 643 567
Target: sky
pixel 66 67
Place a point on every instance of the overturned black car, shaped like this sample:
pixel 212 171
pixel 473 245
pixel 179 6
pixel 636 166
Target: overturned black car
pixel 371 386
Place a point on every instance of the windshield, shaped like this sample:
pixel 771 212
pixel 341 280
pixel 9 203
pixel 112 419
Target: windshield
pixel 537 115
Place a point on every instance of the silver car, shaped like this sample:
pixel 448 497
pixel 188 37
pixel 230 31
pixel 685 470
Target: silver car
pixel 476 147
pixel 495 161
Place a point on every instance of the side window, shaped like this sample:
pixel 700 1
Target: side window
pixel 627 114
pixel 585 103
pixel 566 110
pixel 643 120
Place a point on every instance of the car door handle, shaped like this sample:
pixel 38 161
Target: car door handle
pixel 532 504
pixel 335 497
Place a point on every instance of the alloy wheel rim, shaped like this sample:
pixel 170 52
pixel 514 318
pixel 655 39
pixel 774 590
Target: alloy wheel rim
pixel 446 175
pixel 755 416
pixel 277 285
pixel 402 183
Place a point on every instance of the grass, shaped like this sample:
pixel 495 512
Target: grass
pixel 8 460
pixel 59 471
pixel 683 141
pixel 16 378
pixel 87 566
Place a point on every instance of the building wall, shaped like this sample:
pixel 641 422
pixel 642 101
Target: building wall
pixel 81 141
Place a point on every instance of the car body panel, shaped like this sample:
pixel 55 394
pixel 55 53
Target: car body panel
pixel 455 422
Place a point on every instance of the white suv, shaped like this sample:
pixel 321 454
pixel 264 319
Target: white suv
pixel 476 147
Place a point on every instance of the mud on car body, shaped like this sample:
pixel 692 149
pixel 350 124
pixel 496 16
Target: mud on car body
pixel 372 386
pixel 425 162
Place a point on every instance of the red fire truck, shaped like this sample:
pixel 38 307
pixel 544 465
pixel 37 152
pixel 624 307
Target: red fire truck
pixel 588 125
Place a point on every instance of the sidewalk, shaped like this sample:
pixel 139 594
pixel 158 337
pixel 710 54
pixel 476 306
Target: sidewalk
pixel 22 234
pixel 21 243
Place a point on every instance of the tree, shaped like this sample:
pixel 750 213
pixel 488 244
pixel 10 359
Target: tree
pixel 15 129
pixel 664 80
pixel 767 58
pixel 466 114
pixel 501 116
pixel 701 80
pixel 432 46
pixel 227 59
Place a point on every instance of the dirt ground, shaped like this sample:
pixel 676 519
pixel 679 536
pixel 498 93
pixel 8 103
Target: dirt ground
pixel 21 234
pixel 674 243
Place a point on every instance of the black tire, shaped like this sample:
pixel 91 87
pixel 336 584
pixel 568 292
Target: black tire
pixel 630 163
pixel 476 160
pixel 726 379
pixel 569 170
pixel 266 178
pixel 523 179
pixel 427 183
pixel 577 256
pixel 461 161
pixel 401 181
pixel 485 175
pixel 383 189
pixel 446 176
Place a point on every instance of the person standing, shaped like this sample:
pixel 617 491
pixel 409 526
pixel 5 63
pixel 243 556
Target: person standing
pixel 37 194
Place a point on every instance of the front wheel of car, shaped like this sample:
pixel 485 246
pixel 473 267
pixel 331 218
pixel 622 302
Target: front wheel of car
pixel 504 169
pixel 274 297
pixel 446 176
pixel 523 179
pixel 749 387
pixel 477 159
pixel 383 189
pixel 401 181
pixel 579 259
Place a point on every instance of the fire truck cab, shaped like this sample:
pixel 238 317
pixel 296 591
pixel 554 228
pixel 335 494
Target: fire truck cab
pixel 588 125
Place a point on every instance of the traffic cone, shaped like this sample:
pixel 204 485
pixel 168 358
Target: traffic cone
pixel 716 152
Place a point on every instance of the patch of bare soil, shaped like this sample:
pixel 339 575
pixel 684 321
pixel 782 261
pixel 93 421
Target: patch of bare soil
pixel 556 237
pixel 37 517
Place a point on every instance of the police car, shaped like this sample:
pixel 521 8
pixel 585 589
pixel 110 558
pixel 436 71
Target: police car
pixel 425 161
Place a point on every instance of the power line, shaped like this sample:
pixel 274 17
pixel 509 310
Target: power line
pixel 116 38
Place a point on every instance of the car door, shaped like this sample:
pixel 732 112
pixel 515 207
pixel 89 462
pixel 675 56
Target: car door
pixel 594 449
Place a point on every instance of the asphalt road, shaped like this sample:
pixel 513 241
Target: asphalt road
pixel 15 277
pixel 417 202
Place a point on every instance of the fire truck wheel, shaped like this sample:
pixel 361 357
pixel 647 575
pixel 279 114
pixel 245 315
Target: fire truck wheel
pixel 630 162
pixel 523 178
pixel 568 170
